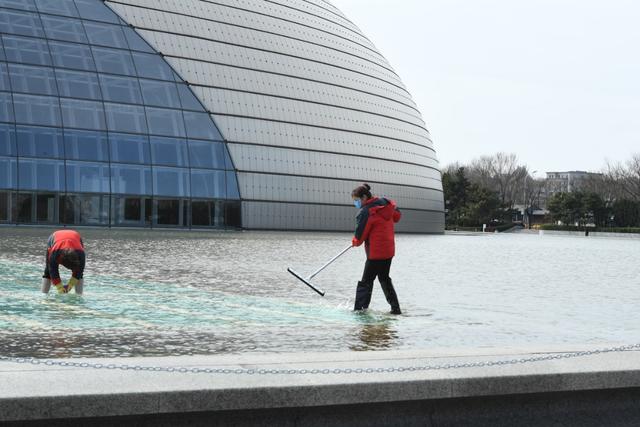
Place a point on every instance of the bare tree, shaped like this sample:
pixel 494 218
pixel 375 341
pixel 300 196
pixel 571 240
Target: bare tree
pixel 626 177
pixel 480 172
pixel 502 174
pixel 534 190
pixel 598 183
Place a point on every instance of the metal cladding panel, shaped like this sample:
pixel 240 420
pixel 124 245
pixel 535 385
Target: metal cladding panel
pixel 263 132
pixel 323 165
pixel 285 12
pixel 259 82
pixel 210 29
pixel 296 216
pixel 238 104
pixel 257 186
pixel 176 46
pixel 308 106
pixel 235 14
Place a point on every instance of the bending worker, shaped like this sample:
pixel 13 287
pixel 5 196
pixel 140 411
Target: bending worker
pixel 64 247
pixel 375 227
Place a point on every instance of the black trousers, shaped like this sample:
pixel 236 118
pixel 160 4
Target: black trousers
pixel 372 269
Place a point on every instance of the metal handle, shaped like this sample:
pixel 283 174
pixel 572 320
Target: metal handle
pixel 329 263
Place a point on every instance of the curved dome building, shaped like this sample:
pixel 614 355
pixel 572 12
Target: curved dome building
pixel 261 114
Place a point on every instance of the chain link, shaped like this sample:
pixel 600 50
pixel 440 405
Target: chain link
pixel 316 371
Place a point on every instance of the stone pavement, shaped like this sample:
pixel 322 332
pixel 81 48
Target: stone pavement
pixel 29 393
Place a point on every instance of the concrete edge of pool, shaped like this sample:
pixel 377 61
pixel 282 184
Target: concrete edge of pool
pixel 591 390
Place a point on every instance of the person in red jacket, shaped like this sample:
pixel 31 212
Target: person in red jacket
pixel 375 228
pixel 65 247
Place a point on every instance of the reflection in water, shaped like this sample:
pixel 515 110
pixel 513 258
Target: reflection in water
pixel 183 293
pixel 374 334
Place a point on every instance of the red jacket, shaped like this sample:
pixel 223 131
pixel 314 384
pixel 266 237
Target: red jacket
pixel 375 224
pixel 60 241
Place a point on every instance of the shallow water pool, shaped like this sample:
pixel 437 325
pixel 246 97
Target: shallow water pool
pixel 177 293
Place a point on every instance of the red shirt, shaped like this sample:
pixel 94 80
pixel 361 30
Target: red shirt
pixel 60 241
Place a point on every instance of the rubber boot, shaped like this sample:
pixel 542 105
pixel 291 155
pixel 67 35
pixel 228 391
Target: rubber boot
pixel 46 285
pixel 363 295
pixel 390 295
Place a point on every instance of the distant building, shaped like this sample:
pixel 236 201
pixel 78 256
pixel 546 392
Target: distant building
pixel 567 182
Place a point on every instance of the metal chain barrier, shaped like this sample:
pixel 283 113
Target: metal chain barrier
pixel 326 371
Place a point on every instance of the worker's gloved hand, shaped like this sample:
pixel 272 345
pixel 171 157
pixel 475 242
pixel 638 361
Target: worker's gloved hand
pixel 71 284
pixel 355 242
pixel 62 289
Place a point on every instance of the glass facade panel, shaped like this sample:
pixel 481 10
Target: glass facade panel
pixel 169 151
pixel 7 140
pixel 46 208
pixel 233 214
pixel 125 118
pixel 120 89
pixel 8 173
pixel 58 7
pixel 32 79
pixel 66 29
pixel 26 50
pixel 5 206
pixel 129 148
pixel 207 213
pixel 25 208
pixel 40 142
pixel 134 40
pixel 88 10
pixel 162 94
pixel 69 55
pixel 78 84
pixel 82 114
pixel 113 61
pixel 21 23
pixel 41 174
pixel 171 182
pixel 105 35
pixel 205 154
pixel 188 99
pixel 37 110
pixel 84 209
pixel 92 127
pixel 6 107
pixel 208 184
pixel 130 179
pixel 165 122
pixel 233 191
pixel 228 163
pixel 19 4
pixel 200 126
pixel 131 211
pixel 4 76
pixel 85 177
pixel 171 213
pixel 86 145
pixel 152 66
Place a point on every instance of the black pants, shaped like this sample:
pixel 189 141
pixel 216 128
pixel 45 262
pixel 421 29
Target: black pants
pixel 46 274
pixel 373 269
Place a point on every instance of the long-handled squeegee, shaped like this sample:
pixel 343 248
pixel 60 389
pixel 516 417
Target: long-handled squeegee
pixel 307 280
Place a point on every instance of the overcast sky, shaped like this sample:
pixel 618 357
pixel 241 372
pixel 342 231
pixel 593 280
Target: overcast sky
pixel 555 81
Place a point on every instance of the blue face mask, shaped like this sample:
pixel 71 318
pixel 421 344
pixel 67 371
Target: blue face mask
pixel 357 203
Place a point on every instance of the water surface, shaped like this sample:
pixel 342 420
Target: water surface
pixel 177 293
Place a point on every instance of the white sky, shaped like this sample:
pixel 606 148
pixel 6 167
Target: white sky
pixel 555 81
